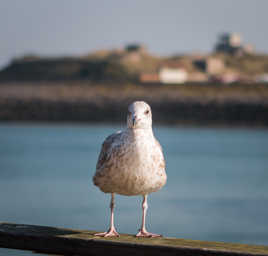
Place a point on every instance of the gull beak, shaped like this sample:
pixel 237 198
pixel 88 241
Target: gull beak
pixel 134 120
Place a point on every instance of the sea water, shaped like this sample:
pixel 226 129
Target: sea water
pixel 217 187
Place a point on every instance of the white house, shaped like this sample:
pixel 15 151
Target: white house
pixel 172 75
pixel 262 78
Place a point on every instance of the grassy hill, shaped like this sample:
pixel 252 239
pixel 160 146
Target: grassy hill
pixel 64 69
pixel 250 64
pixel 122 66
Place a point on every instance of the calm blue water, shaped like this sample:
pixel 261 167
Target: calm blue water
pixel 217 185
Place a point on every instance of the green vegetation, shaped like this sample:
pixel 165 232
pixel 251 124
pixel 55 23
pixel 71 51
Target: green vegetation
pixel 40 69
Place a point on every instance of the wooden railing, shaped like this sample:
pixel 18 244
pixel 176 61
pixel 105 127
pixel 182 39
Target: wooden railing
pixel 61 241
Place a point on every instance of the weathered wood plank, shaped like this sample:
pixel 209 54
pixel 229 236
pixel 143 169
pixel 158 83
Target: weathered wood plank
pixel 82 242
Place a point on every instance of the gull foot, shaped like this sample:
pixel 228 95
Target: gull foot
pixel 111 232
pixel 144 233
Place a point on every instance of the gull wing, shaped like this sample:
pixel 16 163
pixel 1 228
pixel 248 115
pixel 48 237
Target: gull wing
pixel 110 148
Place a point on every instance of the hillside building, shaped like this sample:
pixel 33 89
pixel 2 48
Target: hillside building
pixel 165 75
pixel 231 43
pixel 209 65
pixel 172 75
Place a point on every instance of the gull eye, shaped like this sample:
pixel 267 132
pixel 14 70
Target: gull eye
pixel 146 112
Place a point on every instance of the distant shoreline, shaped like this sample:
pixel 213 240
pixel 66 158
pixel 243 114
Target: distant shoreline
pixel 238 105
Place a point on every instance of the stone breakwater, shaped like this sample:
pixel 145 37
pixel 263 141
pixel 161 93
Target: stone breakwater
pixel 82 102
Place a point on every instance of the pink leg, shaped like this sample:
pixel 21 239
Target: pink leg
pixel 111 231
pixel 143 232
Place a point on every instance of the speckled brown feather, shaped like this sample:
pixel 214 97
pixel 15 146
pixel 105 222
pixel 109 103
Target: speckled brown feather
pixel 107 151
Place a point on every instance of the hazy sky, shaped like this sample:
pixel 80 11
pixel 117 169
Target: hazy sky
pixel 54 27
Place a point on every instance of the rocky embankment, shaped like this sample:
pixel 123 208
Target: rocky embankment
pixel 184 104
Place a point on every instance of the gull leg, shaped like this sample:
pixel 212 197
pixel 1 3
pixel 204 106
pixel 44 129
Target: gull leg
pixel 112 230
pixel 143 232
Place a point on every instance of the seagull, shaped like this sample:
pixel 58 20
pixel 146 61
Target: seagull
pixel 131 163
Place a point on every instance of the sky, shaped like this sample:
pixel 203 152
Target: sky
pixel 69 27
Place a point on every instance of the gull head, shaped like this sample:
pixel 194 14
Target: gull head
pixel 139 115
